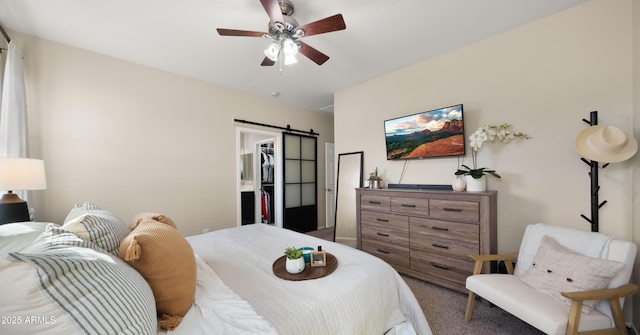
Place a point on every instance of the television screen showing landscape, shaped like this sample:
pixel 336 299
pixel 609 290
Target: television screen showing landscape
pixel 435 133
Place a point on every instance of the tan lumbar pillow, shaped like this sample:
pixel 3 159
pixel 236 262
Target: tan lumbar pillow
pixel 166 261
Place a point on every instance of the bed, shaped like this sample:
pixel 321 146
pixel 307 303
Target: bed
pixel 236 290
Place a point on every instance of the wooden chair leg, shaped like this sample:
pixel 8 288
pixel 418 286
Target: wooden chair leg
pixel 470 303
pixel 574 318
pixel 618 317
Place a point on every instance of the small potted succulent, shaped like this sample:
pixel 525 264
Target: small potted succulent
pixel 295 262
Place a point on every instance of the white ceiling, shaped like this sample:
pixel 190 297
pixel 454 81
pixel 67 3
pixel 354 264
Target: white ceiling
pixel 180 36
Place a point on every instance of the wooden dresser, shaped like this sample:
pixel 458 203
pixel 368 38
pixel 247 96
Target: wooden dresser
pixel 428 234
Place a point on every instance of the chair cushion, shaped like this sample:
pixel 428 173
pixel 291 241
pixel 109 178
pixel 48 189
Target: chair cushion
pixel 556 269
pixel 540 310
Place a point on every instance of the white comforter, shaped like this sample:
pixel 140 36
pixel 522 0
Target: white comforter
pixel 364 295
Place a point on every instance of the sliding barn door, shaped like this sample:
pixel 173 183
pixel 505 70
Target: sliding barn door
pixel 300 182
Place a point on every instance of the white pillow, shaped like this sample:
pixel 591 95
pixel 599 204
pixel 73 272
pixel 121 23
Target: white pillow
pixel 18 235
pixel 99 226
pixel 67 285
pixel 557 269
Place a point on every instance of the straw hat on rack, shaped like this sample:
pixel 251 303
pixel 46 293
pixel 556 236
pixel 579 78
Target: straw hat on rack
pixel 606 144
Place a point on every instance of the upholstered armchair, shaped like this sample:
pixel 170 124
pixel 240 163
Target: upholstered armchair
pixel 566 281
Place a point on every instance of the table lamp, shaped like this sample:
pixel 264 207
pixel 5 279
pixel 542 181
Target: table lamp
pixel 19 174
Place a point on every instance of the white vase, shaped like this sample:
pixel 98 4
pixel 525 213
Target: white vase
pixel 294 266
pixel 458 184
pixel 476 185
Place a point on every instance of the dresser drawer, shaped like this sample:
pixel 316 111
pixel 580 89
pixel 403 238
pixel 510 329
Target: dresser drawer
pixel 415 206
pixel 379 203
pixel 392 254
pixel 454 210
pixel 385 234
pixel 444 237
pixel 385 220
pixel 451 269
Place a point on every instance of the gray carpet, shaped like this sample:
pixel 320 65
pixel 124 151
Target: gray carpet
pixel 444 309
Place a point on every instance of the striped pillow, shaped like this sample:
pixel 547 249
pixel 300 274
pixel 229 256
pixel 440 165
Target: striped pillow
pixel 99 226
pixel 99 292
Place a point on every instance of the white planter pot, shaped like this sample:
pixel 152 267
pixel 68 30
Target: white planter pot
pixel 294 266
pixel 476 185
pixel 459 184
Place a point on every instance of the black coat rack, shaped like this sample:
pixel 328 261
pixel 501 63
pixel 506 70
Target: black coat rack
pixel 595 204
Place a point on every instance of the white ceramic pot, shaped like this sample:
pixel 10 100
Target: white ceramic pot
pixel 458 184
pixel 294 266
pixel 476 185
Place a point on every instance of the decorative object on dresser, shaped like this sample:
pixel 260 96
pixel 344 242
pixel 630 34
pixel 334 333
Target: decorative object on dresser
pixel 475 178
pixel 375 181
pixel 19 174
pixel 428 234
pixel 459 184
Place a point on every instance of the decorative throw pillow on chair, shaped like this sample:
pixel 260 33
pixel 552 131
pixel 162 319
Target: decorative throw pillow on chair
pixel 556 269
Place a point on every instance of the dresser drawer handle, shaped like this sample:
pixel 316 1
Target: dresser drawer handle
pixel 439 228
pixel 384 252
pixel 381 234
pixel 449 209
pixel 440 246
pixel 408 205
pixel 382 220
pixel 375 202
pixel 439 266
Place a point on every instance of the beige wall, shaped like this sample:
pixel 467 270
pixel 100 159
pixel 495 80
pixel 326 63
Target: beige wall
pixel 133 139
pixel 543 78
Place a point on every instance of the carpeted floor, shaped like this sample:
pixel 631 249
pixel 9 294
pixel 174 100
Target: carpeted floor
pixel 445 308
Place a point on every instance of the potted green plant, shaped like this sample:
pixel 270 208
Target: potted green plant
pixel 475 180
pixel 294 262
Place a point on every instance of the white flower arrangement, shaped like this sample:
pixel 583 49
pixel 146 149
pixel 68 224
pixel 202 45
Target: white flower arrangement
pixel 490 133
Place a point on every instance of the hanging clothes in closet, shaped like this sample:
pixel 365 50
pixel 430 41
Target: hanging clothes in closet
pixel 267 189
pixel 266 207
pixel 268 163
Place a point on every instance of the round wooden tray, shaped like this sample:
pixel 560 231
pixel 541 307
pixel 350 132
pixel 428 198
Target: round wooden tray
pixel 309 272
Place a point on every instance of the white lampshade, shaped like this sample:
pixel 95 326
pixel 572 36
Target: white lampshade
pixel 18 174
pixel 288 60
pixel 289 47
pixel 272 51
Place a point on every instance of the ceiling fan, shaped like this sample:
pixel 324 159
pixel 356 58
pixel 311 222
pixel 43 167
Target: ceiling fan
pixel 286 33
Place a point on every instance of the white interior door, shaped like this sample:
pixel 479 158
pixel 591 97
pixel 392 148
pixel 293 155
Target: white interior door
pixel 330 184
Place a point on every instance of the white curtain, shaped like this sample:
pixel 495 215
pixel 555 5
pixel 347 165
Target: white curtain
pixel 13 114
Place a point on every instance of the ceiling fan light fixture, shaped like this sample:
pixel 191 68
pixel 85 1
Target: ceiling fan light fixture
pixel 272 51
pixel 290 59
pixel 289 47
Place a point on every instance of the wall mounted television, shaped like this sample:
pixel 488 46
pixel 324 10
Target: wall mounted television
pixel 436 133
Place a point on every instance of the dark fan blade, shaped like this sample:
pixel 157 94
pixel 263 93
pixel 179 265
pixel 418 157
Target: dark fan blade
pixel 267 62
pixel 273 10
pixel 233 32
pixel 325 25
pixel 313 54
